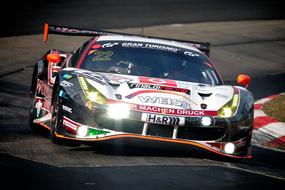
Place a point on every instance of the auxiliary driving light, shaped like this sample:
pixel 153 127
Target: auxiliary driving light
pixel 206 121
pixel 229 148
pixel 82 131
pixel 118 111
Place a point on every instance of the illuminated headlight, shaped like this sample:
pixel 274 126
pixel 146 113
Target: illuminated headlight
pixel 206 121
pixel 93 96
pixel 230 108
pixel 118 111
pixel 226 112
pixel 82 131
pixel 229 148
pixel 97 97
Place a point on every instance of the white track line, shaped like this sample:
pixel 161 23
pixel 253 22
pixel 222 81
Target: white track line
pixel 228 165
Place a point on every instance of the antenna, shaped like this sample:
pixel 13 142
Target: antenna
pixel 142 31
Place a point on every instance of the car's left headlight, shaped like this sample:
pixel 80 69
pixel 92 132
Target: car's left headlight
pixel 230 108
pixel 96 97
pixel 91 93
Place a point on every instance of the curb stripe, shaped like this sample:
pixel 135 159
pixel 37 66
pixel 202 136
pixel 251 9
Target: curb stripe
pixel 259 113
pixel 262 101
pixel 276 130
pixel 258 106
pixel 262 121
pixel 276 143
pixel 268 132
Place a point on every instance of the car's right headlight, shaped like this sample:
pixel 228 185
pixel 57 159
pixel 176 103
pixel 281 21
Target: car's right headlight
pixel 230 108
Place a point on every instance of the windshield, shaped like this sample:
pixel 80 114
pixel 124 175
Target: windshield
pixel 151 60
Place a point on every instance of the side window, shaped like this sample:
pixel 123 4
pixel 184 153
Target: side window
pixel 78 53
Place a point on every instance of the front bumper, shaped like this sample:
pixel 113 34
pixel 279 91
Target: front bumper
pixel 236 130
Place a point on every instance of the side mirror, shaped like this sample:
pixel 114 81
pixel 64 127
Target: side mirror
pixel 53 58
pixel 53 68
pixel 243 79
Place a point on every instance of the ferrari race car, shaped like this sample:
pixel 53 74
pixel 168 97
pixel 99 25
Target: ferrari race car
pixel 129 86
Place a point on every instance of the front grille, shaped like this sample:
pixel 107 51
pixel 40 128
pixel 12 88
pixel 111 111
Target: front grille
pixel 200 133
pixel 193 132
pixel 160 130
pixel 127 126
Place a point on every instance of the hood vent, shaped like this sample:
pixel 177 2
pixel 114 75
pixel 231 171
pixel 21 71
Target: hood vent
pixel 205 95
pixel 114 84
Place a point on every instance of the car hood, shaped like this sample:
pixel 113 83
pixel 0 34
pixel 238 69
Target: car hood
pixel 158 92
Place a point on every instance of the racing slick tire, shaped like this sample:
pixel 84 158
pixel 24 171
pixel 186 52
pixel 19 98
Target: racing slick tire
pixel 33 93
pixel 56 122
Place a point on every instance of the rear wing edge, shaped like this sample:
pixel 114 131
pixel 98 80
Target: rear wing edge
pixel 54 29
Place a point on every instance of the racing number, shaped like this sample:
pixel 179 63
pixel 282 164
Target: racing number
pixel 102 56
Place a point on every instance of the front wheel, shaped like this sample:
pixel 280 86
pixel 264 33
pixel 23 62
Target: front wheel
pixel 33 110
pixel 57 121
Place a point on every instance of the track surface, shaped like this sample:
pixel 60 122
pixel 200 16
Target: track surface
pixel 36 163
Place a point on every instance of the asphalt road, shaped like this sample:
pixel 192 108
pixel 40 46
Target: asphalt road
pixel 27 17
pixel 29 160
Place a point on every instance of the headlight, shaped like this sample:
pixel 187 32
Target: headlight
pixel 206 121
pixel 82 131
pixel 92 94
pixel 229 148
pixel 230 108
pixel 118 111
pixel 96 97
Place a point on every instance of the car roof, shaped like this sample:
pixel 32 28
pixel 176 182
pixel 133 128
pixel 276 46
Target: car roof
pixel 147 40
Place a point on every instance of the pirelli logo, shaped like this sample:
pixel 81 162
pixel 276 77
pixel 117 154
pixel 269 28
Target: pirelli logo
pixel 163 119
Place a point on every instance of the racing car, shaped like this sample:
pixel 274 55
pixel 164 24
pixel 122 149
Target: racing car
pixel 119 85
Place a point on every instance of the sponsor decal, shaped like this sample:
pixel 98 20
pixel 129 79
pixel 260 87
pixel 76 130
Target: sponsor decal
pixel 38 107
pixel 96 46
pixel 158 87
pixel 75 31
pixel 71 126
pixel 64 83
pixel 156 92
pixel 145 86
pixel 108 45
pixel 41 103
pixel 163 119
pixel 172 111
pixel 66 108
pixel 83 84
pixel 189 53
pixel 164 101
pixel 150 46
pixel 67 76
pixel 149 80
pixel 62 94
